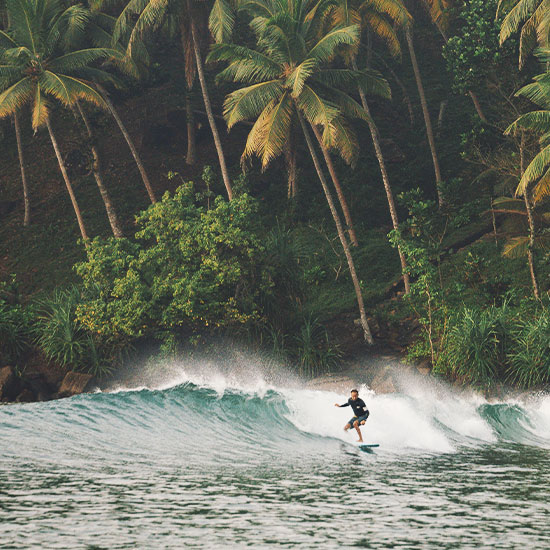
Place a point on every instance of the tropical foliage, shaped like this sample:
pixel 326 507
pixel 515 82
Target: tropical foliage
pixel 288 255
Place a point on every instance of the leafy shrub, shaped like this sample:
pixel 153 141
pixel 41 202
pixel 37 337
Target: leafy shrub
pixel 191 267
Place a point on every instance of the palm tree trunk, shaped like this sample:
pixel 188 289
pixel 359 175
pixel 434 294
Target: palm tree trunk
pixel 130 143
pixel 63 169
pixel 26 201
pixel 425 112
pixel 386 180
pixel 530 248
pixel 208 107
pixel 290 159
pixel 341 235
pixel 191 157
pixel 531 221
pixel 96 167
pixel 338 187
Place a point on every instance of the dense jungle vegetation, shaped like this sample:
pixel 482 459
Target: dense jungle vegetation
pixel 303 176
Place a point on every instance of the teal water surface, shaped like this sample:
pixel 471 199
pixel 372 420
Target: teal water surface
pixel 191 466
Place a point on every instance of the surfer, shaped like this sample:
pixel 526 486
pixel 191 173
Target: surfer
pixel 359 410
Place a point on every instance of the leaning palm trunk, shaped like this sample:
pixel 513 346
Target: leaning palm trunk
pixel 191 157
pixel 530 248
pixel 338 187
pixel 130 143
pixel 290 159
pixel 27 218
pixel 425 112
pixel 208 107
pixel 531 221
pixel 386 180
pixel 98 175
pixel 341 235
pixel 63 169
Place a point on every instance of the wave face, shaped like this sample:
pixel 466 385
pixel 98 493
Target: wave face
pixel 246 464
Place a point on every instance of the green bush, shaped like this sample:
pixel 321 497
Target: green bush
pixel 191 266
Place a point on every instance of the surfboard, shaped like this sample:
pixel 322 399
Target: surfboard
pixel 368 447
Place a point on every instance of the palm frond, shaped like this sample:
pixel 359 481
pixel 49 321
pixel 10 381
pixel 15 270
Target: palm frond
pixel 515 17
pixel 277 130
pixel 339 135
pixel 81 58
pixel 15 96
pixel 40 109
pixel 249 102
pixel 324 49
pixel 68 89
pixel 316 109
pixel 538 121
pixel 221 21
pixel 300 74
pixel 536 169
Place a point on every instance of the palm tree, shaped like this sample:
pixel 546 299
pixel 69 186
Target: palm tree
pixel 139 16
pixel 534 183
pixel 288 83
pixel 379 18
pixel 38 64
pixel 221 25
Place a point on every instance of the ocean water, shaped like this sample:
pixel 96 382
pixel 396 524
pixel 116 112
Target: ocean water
pixel 211 462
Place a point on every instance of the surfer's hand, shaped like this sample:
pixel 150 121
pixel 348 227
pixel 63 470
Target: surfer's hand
pixel 336 405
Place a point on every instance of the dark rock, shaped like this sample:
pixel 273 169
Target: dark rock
pixel 26 396
pixel 73 384
pixel 8 384
pixel 38 384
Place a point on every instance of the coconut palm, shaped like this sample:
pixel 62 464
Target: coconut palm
pixel 535 178
pixel 190 18
pixel 38 65
pixel 221 25
pixel 380 18
pixel 288 82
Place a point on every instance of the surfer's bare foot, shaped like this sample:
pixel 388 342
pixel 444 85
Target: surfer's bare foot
pixel 359 441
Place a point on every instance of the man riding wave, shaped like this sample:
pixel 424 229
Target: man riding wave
pixel 359 410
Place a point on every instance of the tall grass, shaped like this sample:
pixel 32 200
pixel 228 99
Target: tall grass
pixel 15 332
pixel 529 356
pixel 475 348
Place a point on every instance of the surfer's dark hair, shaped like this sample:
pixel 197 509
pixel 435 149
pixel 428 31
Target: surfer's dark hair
pixel 354 390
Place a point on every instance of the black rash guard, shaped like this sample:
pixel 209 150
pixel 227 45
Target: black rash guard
pixel 358 406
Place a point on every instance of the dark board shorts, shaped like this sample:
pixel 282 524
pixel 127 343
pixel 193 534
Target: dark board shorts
pixel 358 418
